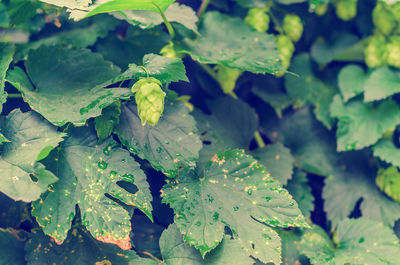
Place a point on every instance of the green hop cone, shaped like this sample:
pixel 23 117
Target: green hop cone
pixel 293 27
pixel 388 180
pixel 286 49
pixel 149 99
pixel 227 78
pixel 375 53
pixel 383 18
pixel 170 52
pixel 393 52
pixel 258 19
pixel 346 9
pixel 321 9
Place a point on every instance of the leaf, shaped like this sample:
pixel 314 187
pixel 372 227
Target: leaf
pixel 351 81
pixel 361 124
pixel 308 88
pixel 92 177
pixel 6 56
pixel 300 190
pixel 69 84
pixel 234 191
pixel 324 53
pixel 3 139
pixel 341 196
pixel 175 251
pixel 106 123
pixel 388 182
pixel 165 69
pixel 79 248
pixel 230 42
pixel 357 244
pixel 176 12
pixel 12 247
pixel 30 140
pixel 315 153
pixel 382 83
pixel 387 151
pixel 290 251
pixel 231 125
pixel 278 160
pixel 172 143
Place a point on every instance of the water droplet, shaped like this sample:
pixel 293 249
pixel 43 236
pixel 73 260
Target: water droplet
pixel 236 208
pixel 102 164
pixel 113 174
pixel 166 142
pixel 210 198
pixel 198 223
pixel 291 204
pixel 215 216
pixel 361 240
pixel 123 160
pixel 266 236
pixel 249 191
pixel 158 149
pixel 106 152
pixel 128 177
pixel 268 198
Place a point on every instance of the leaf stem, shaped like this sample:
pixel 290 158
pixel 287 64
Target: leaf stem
pixel 170 29
pixel 14 95
pixel 259 139
pixel 203 7
pixel 151 256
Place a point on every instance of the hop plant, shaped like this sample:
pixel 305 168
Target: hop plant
pixel 388 180
pixel 150 100
pixel 375 52
pixel 321 9
pixel 383 18
pixel 170 52
pixel 227 78
pixel 258 19
pixel 346 9
pixel 293 27
pixel 393 52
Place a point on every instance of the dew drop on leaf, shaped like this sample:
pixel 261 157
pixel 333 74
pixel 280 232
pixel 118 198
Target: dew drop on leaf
pixel 158 149
pixel 236 208
pixel 268 198
pixel 102 164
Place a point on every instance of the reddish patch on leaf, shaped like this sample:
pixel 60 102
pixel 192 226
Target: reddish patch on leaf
pixel 124 243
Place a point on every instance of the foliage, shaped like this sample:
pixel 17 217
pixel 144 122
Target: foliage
pixel 199 132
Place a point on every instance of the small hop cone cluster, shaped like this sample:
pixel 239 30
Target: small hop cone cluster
pixel 258 19
pixel 393 52
pixel 293 27
pixel 375 52
pixel 150 100
pixel 170 52
pixel 227 78
pixel 384 20
pixel 286 49
pixel 321 9
pixel 346 9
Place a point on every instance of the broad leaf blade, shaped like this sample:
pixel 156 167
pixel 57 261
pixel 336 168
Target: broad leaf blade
pixel 6 56
pixel 237 192
pixel 172 143
pixel 88 172
pixel 31 138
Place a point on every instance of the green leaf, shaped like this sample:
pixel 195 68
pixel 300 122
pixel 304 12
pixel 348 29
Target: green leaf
pixel 278 160
pixel 31 139
pixel 300 190
pixel 232 124
pixel 290 251
pixel 3 139
pixel 308 88
pixel 387 151
pixel 341 196
pixel 176 12
pixel 323 52
pixel 6 56
pixel 175 251
pixel 79 248
pixel 315 153
pixel 361 124
pixel 106 123
pixel 93 177
pixel 388 181
pixel 12 244
pixel 172 143
pixel 165 69
pixel 382 83
pixel 230 42
pixel 357 244
pixel 68 84
pixel 234 191
pixel 351 81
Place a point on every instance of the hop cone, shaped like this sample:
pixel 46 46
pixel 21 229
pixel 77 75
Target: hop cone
pixel 169 51
pixel 150 99
pixel 286 49
pixel 257 19
pixel 383 18
pixel 393 52
pixel 375 52
pixel 227 78
pixel 293 27
pixel 346 9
